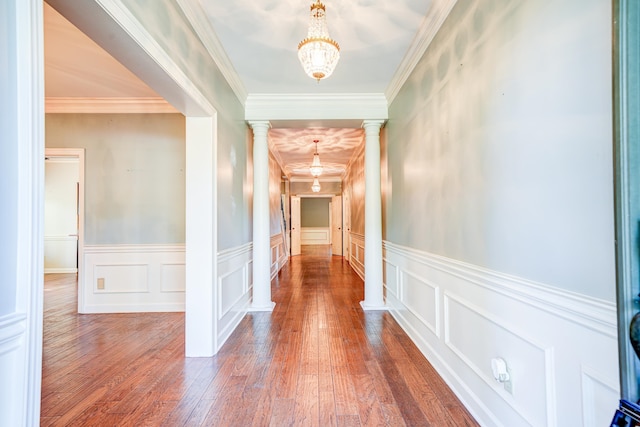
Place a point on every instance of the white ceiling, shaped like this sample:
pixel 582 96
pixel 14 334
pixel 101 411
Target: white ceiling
pixel 261 41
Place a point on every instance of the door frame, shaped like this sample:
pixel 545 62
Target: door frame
pixel 78 153
pixel 626 127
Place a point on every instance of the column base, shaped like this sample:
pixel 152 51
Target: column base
pixel 269 307
pixel 368 307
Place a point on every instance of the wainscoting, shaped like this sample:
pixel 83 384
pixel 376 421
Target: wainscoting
pixel 356 253
pixel 13 364
pixel 315 236
pixel 233 286
pixel 560 348
pixel 279 255
pixel 235 283
pixel 132 278
pixel 60 254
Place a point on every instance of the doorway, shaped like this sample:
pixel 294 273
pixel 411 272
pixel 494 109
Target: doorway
pixel 316 220
pixel 64 213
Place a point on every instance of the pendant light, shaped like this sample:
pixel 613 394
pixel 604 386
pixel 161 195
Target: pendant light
pixel 316 167
pixel 318 53
pixel 315 187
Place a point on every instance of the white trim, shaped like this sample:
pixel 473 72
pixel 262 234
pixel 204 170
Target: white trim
pixel 345 106
pixel 12 330
pixel 133 249
pixel 356 253
pixel 327 179
pixel 65 105
pixel 232 261
pixel 60 270
pixel 228 254
pixel 132 273
pixel 125 19
pixel 543 332
pixel 433 20
pixel 26 74
pixel 79 154
pixel 197 16
pixel 546 351
pixel 593 313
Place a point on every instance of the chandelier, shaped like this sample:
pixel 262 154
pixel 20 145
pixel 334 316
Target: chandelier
pixel 316 167
pixel 318 53
pixel 315 187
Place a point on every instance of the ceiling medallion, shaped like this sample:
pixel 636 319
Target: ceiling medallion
pixel 318 53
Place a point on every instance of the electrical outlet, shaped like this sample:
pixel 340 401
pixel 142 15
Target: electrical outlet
pixel 101 283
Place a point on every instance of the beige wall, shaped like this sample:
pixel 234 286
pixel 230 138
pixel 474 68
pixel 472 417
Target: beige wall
pixel 354 191
pixel 499 144
pixel 134 174
pixel 275 192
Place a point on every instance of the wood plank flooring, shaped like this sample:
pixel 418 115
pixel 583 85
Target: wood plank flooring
pixel 317 360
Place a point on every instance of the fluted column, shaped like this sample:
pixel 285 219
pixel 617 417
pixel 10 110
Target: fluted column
pixel 261 300
pixel 373 294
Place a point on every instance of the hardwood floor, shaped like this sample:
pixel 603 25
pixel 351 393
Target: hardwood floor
pixel 317 360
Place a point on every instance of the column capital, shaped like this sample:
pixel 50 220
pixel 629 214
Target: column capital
pixel 260 124
pixel 374 125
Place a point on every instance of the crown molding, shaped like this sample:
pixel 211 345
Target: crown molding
pixel 326 179
pixel 197 16
pixel 337 106
pixel 430 26
pixel 108 105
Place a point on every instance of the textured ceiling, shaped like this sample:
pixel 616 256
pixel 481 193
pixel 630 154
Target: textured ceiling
pixel 261 41
pixel 335 147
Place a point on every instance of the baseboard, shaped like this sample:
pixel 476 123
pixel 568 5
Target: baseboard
pixel 60 270
pixel 560 347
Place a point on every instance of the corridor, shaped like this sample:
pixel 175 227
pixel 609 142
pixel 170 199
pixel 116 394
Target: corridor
pixel 318 359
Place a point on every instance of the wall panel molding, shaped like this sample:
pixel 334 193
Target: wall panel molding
pixel 233 289
pixel 279 255
pixel 356 253
pixel 552 340
pixel 135 278
pixel 315 236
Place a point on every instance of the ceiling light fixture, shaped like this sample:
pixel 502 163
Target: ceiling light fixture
pixel 316 167
pixel 315 187
pixel 318 53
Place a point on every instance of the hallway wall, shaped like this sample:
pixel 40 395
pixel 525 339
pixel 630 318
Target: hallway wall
pixel 134 174
pixel 499 233
pixel 134 208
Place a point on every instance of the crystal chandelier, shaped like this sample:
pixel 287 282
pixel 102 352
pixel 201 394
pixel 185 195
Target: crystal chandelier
pixel 318 53
pixel 315 187
pixel 316 167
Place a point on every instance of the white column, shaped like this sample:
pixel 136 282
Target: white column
pixel 261 300
pixel 373 297
pixel 200 303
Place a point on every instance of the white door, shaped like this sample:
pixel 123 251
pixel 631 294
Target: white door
pixel 336 225
pixel 295 226
pixel 61 215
